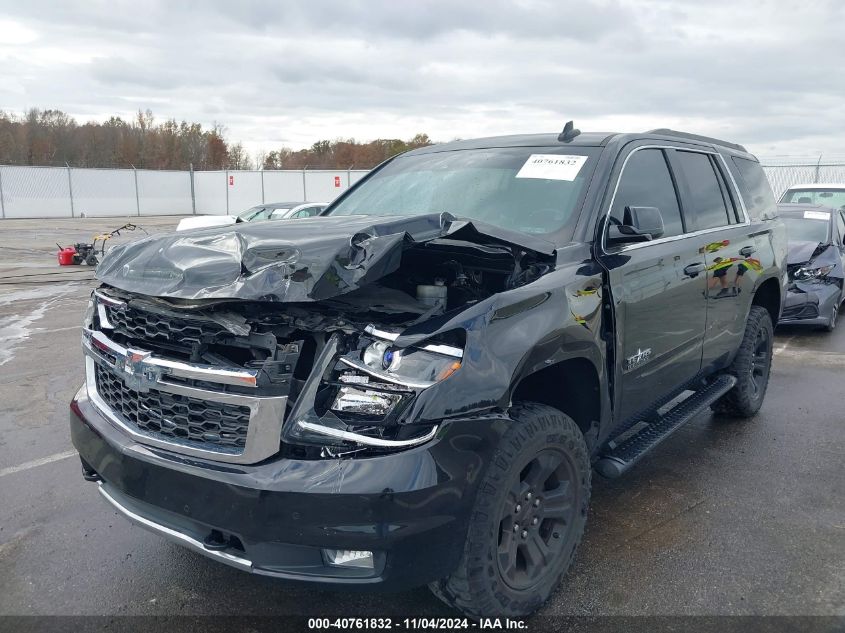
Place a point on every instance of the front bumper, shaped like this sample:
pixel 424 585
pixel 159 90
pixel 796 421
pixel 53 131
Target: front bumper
pixel 810 303
pixel 275 518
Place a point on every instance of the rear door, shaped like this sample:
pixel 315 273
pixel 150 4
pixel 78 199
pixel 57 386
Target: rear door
pixel 730 245
pixel 657 288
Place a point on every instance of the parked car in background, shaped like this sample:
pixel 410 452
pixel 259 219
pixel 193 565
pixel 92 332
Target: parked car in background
pixel 258 213
pixel 304 210
pixel 827 194
pixel 815 235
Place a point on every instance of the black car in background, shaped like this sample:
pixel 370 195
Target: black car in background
pixel 816 237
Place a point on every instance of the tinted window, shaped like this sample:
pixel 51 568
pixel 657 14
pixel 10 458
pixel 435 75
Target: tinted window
pixel 707 207
pixel 755 189
pixel 840 223
pixel 646 182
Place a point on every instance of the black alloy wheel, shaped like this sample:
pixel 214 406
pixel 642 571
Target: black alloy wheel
pixel 537 519
pixel 527 519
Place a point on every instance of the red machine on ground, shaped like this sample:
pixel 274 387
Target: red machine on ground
pixel 87 253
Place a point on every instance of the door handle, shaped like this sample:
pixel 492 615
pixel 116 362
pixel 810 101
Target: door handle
pixel 747 251
pixel 694 269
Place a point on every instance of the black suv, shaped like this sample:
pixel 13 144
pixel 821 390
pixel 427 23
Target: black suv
pixel 415 386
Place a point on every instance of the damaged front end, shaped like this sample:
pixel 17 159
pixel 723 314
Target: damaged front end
pixel 235 345
pixel 815 283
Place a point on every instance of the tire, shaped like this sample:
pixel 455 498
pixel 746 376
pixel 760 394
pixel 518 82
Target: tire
pixel 832 323
pixel 539 477
pixel 751 367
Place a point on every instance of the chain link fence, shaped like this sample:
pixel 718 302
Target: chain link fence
pixel 784 173
pixel 62 192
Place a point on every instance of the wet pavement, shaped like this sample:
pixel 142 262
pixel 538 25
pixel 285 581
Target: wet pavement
pixel 724 518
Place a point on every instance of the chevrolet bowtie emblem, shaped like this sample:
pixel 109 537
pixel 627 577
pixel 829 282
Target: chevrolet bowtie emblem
pixel 134 362
pixel 136 375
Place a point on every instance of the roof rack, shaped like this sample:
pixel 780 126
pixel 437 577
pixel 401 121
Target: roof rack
pixel 696 137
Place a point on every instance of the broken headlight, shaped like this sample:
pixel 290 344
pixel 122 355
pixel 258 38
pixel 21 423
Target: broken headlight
pixel 88 317
pixel 803 274
pixel 412 366
pixel 363 401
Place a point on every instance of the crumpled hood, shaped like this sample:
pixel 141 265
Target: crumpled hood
pixel 799 252
pixel 309 259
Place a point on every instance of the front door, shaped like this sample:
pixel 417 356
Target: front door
pixel 658 290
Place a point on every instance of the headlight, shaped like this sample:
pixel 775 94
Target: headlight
pixel 88 318
pixel 376 355
pixel 812 273
pixel 415 366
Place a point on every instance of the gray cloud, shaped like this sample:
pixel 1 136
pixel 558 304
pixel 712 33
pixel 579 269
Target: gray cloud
pixel 764 73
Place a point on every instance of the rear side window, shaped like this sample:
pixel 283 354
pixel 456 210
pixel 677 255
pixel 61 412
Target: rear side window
pixel 646 182
pixel 707 208
pixel 755 189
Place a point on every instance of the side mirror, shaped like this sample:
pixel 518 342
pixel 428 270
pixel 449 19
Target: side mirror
pixel 641 224
pixel 647 220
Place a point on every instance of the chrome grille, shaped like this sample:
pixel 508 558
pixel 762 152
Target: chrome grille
pixel 147 397
pixel 201 423
pixel 151 326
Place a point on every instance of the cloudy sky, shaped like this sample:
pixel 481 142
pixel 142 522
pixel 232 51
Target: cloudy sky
pixel 769 74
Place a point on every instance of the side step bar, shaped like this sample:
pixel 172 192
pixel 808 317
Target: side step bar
pixel 618 460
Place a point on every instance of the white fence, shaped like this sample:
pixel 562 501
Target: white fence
pixel 61 192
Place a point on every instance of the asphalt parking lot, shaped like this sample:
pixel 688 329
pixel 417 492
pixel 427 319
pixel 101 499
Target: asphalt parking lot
pixel 725 518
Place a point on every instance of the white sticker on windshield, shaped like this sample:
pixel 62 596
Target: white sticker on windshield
pixel 816 215
pixel 552 166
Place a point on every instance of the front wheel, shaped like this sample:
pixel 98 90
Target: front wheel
pixel 751 367
pixel 831 325
pixel 528 518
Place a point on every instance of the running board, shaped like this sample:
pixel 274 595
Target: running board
pixel 622 457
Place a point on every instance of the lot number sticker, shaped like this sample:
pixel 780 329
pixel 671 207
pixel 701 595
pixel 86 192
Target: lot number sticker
pixel 552 166
pixel 816 215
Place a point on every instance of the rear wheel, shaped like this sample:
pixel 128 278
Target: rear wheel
pixel 528 518
pixel 751 367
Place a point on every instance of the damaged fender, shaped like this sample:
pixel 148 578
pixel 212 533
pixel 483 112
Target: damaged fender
pixel 514 334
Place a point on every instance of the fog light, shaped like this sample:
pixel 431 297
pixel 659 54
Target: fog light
pixel 364 401
pixel 361 559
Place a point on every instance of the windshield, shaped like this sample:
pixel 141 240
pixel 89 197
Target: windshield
pixel 532 190
pixel 801 230
pixel 828 197
pixel 255 213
